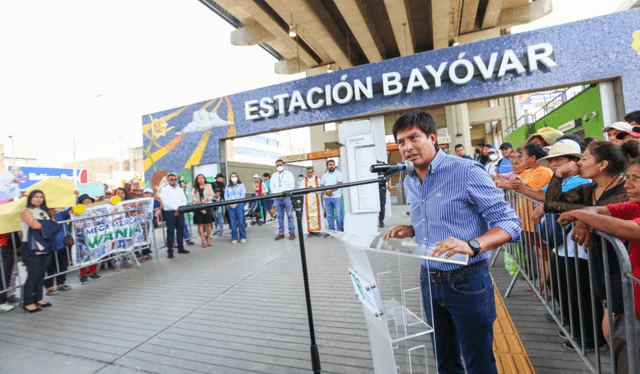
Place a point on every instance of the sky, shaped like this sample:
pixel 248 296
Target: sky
pixel 91 69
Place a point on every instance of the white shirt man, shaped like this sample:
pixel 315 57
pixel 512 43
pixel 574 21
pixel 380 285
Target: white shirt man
pixel 333 198
pixel 281 181
pixel 172 197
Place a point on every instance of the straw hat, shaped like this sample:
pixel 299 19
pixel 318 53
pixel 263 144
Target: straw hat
pixel 559 150
pixel 550 135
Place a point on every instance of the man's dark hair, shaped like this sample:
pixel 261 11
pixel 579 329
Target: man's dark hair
pixel 575 138
pixel 419 119
pixel 587 141
pixel 632 117
pixel 330 160
pixel 481 144
pixel 533 149
pixel 488 145
pixel 300 175
pixel 279 160
pixel 458 146
pixel 266 175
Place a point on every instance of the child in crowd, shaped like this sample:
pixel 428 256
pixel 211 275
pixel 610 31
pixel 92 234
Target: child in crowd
pixel 218 214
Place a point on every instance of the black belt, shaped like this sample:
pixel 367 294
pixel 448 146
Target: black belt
pixel 456 275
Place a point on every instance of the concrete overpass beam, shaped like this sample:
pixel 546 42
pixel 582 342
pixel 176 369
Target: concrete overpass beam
pixel 440 18
pixel 290 66
pixel 398 11
pixel 492 14
pixel 251 34
pixel 468 17
pixel 524 13
pixel 357 15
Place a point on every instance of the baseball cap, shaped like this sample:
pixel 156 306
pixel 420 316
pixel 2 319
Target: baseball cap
pixel 147 190
pixel 505 145
pixel 635 132
pixel 491 150
pixel 255 176
pixel 620 126
pixel 219 175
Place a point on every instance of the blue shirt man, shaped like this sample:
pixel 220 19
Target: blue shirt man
pixel 454 206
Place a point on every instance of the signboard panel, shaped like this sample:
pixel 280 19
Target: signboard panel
pixel 362 153
pixel 32 175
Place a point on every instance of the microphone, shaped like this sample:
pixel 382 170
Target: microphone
pixel 392 168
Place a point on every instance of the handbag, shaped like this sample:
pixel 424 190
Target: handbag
pixel 68 240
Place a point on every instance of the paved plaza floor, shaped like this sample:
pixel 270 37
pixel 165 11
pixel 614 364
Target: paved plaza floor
pixel 231 308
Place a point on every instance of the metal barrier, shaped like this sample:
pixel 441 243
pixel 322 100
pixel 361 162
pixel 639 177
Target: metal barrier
pixel 9 259
pixel 575 299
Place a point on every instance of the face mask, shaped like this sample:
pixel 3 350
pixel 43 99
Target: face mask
pixel 493 157
pixel 280 168
pixel 234 179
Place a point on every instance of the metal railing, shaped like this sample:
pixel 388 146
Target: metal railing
pixel 575 283
pixel 63 258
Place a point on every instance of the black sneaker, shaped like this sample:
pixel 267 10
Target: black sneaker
pixel 380 224
pixel 590 347
pixel 13 299
pixel 95 276
pixel 84 280
pixel 184 251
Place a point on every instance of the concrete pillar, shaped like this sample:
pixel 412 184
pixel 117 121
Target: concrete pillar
pixel 458 126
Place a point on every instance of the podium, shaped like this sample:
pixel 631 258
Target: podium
pixel 386 280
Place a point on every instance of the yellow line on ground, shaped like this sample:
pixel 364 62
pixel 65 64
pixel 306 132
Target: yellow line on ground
pixel 511 356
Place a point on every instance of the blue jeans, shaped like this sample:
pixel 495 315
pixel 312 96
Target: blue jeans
pixel 334 204
pixel 219 222
pixel 464 314
pixel 283 207
pixel 236 221
pixel 175 224
pixel 186 235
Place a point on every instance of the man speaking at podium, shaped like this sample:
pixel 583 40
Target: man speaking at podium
pixel 452 201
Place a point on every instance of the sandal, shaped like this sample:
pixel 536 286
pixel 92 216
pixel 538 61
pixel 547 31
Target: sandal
pixel 117 269
pixel 64 287
pixel 542 297
pixel 51 292
pixel 129 266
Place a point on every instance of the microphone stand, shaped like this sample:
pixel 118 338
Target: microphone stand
pixel 297 200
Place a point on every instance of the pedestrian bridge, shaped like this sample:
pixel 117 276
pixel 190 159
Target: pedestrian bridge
pixel 240 308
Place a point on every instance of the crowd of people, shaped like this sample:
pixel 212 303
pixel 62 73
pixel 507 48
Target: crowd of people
pixel 595 184
pixel 37 217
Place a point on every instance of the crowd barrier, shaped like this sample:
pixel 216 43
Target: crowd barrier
pixel 574 284
pixel 68 260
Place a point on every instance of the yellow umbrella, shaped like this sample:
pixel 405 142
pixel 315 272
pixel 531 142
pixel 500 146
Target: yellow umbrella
pixel 59 193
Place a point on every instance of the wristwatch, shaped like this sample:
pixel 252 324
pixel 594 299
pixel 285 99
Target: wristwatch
pixel 475 246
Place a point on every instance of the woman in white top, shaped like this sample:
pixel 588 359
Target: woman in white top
pixel 36 262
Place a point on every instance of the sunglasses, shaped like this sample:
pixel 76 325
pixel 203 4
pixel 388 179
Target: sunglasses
pixel 173 179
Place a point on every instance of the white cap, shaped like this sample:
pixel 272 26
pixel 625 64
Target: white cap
pixel 256 176
pixel 147 190
pixel 621 126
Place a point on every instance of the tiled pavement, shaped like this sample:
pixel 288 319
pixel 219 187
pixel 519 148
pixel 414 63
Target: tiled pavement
pixel 227 309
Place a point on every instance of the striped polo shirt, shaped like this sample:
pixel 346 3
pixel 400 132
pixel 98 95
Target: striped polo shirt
pixel 457 199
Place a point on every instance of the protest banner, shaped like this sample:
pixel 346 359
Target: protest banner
pixel 101 233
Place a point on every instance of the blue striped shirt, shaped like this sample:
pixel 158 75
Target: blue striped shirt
pixel 457 199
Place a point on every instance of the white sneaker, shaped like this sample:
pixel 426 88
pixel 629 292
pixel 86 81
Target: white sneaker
pixel 6 307
pixel 234 241
pixel 243 240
